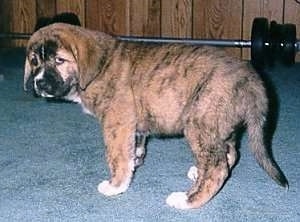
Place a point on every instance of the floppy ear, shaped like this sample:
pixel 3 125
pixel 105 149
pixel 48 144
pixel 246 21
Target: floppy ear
pixel 27 73
pixel 91 57
pixel 88 64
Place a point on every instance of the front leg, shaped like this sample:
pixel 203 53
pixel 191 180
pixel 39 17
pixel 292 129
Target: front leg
pixel 119 136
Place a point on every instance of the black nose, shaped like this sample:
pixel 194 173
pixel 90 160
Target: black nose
pixel 43 85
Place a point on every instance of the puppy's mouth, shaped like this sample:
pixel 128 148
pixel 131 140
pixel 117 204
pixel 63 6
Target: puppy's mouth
pixel 44 88
pixel 49 84
pixel 43 94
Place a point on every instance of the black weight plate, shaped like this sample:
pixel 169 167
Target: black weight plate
pixel 41 22
pixel 275 35
pixel 65 17
pixel 288 48
pixel 259 38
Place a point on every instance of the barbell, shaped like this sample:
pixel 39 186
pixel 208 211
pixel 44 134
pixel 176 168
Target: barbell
pixel 268 43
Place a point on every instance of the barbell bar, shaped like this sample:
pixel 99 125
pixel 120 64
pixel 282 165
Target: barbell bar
pixel 15 35
pixel 269 42
pixel 211 42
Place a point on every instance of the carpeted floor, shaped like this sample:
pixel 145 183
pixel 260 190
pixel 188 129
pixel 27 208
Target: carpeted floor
pixel 52 159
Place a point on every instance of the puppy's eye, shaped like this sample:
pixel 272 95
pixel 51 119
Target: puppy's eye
pixel 33 60
pixel 59 61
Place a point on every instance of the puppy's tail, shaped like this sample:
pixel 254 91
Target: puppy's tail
pixel 255 126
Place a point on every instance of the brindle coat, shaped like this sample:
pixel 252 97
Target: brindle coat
pixel 138 89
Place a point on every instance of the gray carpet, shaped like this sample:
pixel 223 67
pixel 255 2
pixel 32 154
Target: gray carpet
pixel 52 159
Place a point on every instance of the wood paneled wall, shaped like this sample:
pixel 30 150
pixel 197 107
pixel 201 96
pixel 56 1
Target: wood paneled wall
pixel 218 19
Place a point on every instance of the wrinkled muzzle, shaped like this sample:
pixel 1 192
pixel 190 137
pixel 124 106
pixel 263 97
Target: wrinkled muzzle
pixel 48 83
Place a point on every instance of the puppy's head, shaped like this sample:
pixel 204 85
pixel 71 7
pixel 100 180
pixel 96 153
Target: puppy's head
pixel 62 59
pixel 53 69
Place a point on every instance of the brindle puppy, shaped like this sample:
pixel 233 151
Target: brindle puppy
pixel 138 89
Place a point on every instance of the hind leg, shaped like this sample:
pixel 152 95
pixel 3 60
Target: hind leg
pixel 231 159
pixel 140 151
pixel 231 152
pixel 212 166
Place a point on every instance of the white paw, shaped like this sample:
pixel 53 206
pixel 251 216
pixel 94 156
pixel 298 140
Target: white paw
pixel 109 190
pixel 178 200
pixel 140 151
pixel 231 158
pixel 193 173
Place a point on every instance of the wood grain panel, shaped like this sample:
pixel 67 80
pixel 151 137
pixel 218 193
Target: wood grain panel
pixel 176 18
pixel 6 14
pixel 75 6
pixel 23 17
pixel 218 19
pixel 145 18
pixel 45 8
pixel 92 19
pixel 271 9
pixel 108 16
pixel 291 15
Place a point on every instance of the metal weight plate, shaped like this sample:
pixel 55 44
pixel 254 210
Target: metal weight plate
pixel 67 17
pixel 259 38
pixel 288 48
pixel 41 22
pixel 64 17
pixel 275 34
